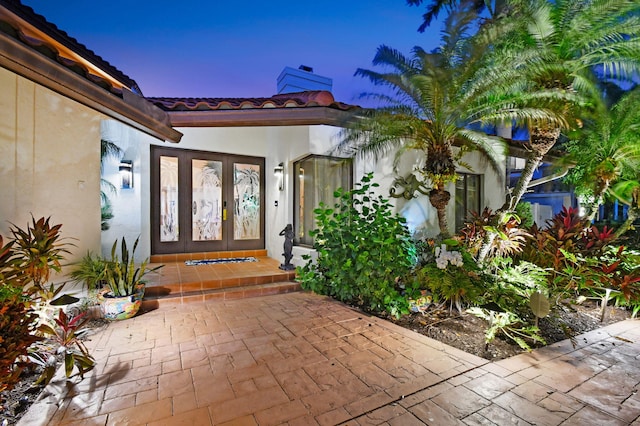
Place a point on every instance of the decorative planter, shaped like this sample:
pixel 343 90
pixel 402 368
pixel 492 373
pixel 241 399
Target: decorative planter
pixel 120 308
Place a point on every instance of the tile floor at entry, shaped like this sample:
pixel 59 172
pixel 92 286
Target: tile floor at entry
pixel 303 359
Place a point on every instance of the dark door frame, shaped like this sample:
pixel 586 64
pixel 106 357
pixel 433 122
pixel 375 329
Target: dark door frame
pixel 185 243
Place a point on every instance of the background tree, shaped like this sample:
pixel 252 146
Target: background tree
pixel 559 47
pixel 487 8
pixel 605 149
pixel 431 101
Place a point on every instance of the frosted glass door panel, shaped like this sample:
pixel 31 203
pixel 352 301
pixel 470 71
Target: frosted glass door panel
pixel 169 230
pixel 246 190
pixel 207 203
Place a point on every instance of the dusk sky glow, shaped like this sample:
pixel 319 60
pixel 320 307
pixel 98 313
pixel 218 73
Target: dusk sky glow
pixel 238 49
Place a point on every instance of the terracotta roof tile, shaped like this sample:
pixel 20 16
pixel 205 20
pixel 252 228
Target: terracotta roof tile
pixel 313 98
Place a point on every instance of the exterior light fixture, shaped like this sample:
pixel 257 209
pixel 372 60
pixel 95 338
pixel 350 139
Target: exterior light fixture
pixel 126 174
pixel 279 172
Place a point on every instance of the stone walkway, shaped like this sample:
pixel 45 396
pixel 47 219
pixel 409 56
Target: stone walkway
pixel 303 359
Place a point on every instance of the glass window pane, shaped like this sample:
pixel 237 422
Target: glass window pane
pixel 473 193
pixel 169 199
pixel 317 179
pixel 246 194
pixel 207 200
pixel 468 197
pixel 460 201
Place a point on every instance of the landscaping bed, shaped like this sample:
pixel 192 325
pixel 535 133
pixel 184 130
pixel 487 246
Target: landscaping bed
pixel 467 332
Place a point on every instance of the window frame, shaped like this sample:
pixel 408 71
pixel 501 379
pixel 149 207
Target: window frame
pixel 465 199
pixel 347 163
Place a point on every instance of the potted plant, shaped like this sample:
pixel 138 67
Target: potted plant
pixel 124 283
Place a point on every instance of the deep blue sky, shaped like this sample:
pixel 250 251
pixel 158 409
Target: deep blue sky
pixel 226 48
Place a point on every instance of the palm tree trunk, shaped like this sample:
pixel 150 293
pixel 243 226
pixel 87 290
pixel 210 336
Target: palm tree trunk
pixel 439 199
pixel 598 197
pixel 632 214
pixel 541 141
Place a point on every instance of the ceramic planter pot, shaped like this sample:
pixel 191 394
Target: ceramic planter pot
pixel 120 308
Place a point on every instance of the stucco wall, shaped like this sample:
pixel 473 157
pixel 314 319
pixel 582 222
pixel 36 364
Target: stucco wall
pixel 130 207
pixel 276 144
pixel 49 162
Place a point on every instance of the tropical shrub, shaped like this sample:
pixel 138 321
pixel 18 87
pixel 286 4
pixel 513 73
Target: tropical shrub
pixel 564 247
pixel 363 251
pixel 17 327
pixel 26 263
pixel 512 301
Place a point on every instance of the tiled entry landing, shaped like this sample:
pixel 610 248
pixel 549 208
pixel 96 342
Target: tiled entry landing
pixel 178 283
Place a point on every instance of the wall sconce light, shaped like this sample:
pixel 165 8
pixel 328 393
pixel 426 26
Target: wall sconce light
pixel 279 172
pixel 126 174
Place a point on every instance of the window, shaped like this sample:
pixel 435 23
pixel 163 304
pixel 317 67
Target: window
pixel 317 178
pixel 468 197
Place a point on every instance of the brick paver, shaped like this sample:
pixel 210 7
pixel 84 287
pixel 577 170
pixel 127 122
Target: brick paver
pixel 303 359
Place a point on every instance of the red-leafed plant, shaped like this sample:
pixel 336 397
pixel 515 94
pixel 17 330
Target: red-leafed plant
pixel 65 334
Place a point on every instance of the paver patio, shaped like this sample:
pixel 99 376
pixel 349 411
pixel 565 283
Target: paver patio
pixel 303 359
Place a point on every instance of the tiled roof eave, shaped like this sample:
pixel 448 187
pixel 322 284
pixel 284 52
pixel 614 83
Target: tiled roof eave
pixel 262 117
pixel 130 109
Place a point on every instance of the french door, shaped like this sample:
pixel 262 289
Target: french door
pixel 205 201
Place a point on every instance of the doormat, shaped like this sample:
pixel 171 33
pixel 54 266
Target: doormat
pixel 222 260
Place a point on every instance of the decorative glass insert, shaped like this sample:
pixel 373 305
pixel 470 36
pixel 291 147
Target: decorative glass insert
pixel 169 199
pixel 246 196
pixel 207 200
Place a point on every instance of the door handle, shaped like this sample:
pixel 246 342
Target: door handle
pixel 224 210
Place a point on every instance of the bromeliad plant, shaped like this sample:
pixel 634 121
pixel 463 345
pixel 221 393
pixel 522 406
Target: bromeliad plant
pixel 122 276
pixel 363 249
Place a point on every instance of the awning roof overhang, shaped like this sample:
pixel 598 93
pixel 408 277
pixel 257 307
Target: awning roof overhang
pixel 129 108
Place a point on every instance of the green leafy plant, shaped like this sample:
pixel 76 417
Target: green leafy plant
pixel 122 276
pixel 90 271
pixel 363 251
pixel 509 325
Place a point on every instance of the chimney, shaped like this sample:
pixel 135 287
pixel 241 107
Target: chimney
pixel 302 79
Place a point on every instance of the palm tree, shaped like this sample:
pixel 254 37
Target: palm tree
pixel 432 100
pixel 608 146
pixel 562 44
pixel 489 8
pixel 566 46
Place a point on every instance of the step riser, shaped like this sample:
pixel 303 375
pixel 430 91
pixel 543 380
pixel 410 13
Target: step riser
pixel 149 304
pixel 229 283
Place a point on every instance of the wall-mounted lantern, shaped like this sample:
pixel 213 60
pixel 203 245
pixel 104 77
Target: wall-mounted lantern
pixel 126 174
pixel 279 172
